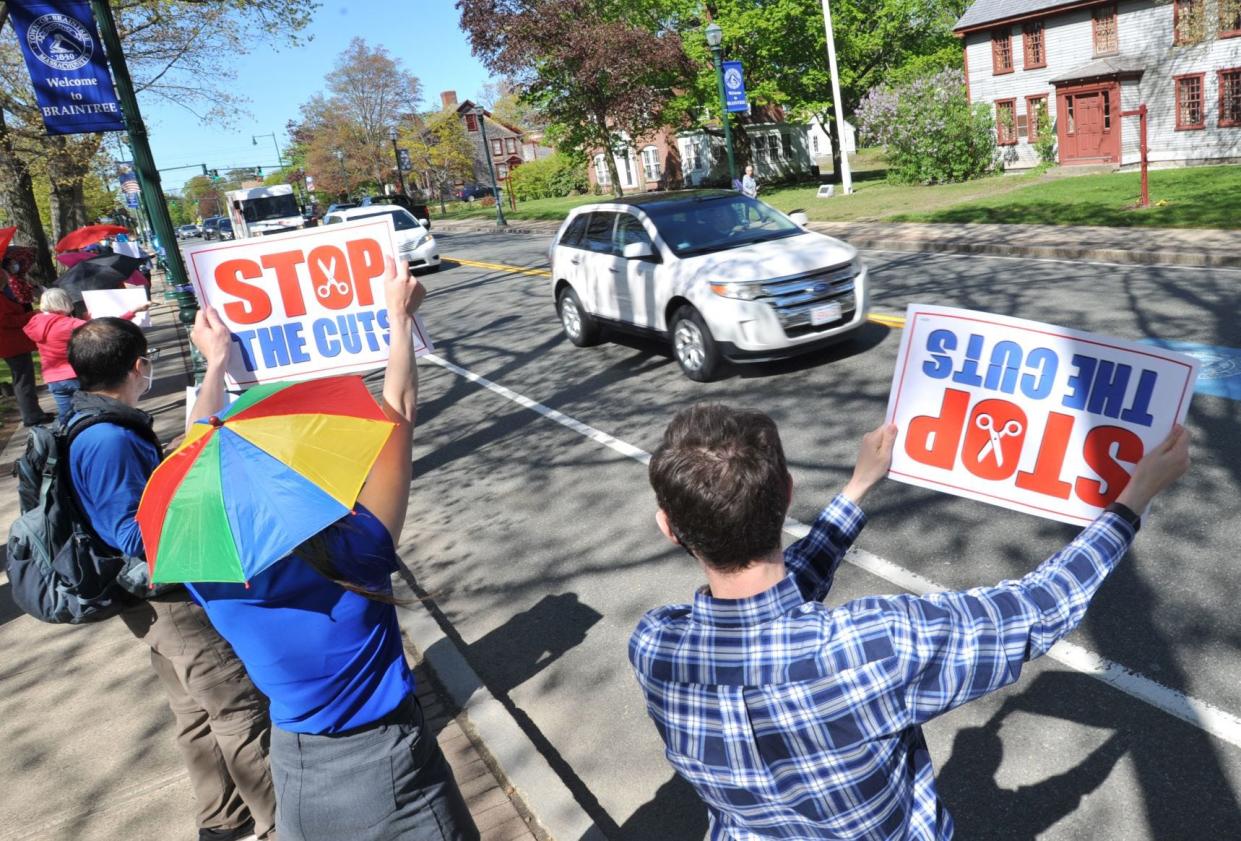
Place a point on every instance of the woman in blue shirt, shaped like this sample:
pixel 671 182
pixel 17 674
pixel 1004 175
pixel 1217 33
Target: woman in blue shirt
pixel 351 757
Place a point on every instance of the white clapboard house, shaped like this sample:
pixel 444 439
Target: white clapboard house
pixel 1087 62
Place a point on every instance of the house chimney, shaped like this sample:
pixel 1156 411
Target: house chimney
pixel 449 99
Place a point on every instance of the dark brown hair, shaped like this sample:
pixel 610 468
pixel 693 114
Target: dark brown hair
pixel 721 479
pixel 317 552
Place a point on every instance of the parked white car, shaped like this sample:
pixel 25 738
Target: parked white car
pixel 720 275
pixel 414 242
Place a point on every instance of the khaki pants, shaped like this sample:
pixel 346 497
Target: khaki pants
pixel 223 728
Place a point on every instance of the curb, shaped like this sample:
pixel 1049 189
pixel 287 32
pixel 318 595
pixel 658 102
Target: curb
pixel 1092 253
pixel 505 747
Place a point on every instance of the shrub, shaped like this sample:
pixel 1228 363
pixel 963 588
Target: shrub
pixel 552 177
pixel 929 131
pixel 1046 143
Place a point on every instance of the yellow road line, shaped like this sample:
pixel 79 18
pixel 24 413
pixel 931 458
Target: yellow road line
pixel 879 318
pixel 499 267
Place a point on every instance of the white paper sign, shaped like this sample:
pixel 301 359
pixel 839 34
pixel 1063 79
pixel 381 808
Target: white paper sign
pixel 116 302
pixel 303 304
pixel 1028 416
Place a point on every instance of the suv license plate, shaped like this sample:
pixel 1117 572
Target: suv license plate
pixel 825 314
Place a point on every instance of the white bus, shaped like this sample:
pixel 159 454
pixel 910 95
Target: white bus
pixel 264 210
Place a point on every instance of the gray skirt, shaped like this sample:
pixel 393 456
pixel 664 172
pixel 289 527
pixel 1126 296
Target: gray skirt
pixel 387 781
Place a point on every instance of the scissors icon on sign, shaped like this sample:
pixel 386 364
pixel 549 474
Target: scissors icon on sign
pixel 987 424
pixel 331 283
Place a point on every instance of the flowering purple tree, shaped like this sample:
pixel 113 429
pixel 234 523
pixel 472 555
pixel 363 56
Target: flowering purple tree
pixel 929 130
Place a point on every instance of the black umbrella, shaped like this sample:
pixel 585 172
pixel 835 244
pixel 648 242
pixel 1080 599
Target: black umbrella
pixel 107 272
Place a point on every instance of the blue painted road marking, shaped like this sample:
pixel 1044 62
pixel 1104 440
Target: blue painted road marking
pixel 1220 371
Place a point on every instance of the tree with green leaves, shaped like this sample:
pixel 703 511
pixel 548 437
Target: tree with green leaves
pixel 601 80
pixel 345 132
pixel 440 150
pixel 783 47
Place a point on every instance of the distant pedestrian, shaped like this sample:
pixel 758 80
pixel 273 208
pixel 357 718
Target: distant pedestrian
pixel 221 719
pixel 749 187
pixel 351 753
pixel 795 720
pixel 16 349
pixel 50 329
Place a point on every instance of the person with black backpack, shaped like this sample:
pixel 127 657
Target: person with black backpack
pixel 77 556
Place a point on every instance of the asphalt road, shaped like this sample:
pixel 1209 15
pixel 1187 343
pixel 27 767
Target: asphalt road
pixel 539 546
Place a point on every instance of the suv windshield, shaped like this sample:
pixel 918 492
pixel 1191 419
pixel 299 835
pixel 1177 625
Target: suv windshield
pixel 717 223
pixel 270 207
pixel 401 218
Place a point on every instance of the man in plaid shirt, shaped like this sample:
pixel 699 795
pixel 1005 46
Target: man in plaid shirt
pixel 797 721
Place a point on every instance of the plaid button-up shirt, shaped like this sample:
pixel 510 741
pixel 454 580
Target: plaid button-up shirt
pixel 793 720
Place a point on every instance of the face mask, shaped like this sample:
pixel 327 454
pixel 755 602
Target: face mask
pixel 149 376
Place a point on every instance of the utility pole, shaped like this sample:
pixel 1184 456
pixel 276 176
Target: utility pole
pixel 846 177
pixel 144 162
pixel 396 153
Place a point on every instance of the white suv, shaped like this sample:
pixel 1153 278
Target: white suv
pixel 721 275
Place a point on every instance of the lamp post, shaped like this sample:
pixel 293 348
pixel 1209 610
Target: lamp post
pixel 254 139
pixel 715 37
pixel 396 153
pixel 344 175
pixel 491 170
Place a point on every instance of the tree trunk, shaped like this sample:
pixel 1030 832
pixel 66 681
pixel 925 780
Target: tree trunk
pixel 17 197
pixel 601 123
pixel 68 165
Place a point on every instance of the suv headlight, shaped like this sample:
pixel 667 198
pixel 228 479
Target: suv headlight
pixel 745 291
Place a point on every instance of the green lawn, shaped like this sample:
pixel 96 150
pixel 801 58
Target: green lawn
pixel 1197 197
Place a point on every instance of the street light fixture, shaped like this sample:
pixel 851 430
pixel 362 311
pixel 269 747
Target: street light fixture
pixel 715 37
pixel 491 170
pixel 400 176
pixel 344 175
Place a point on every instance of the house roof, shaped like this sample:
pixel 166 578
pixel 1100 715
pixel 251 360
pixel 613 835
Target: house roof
pixel 1113 66
pixel 983 12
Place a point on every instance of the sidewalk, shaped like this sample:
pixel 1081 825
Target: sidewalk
pixel 89 752
pixel 1141 246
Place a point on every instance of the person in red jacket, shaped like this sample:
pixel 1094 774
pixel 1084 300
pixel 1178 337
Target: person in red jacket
pixel 51 330
pixel 15 349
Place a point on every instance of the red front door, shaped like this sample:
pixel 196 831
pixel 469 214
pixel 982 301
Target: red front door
pixel 1088 125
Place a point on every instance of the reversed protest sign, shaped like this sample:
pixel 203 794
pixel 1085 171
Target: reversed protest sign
pixel 1028 416
pixel 304 304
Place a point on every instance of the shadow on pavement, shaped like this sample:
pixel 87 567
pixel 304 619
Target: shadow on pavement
pixel 674 812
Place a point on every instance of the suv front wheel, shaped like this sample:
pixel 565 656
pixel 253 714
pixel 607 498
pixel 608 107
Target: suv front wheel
pixel 581 329
pixel 693 346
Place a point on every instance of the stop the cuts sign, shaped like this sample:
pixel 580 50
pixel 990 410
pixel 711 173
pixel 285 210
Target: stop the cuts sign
pixel 1029 416
pixel 302 304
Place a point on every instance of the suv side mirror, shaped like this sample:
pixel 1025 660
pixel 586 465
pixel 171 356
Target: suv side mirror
pixel 637 251
pixel 799 217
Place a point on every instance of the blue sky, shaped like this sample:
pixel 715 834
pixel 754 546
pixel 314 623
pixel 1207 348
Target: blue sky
pixel 424 34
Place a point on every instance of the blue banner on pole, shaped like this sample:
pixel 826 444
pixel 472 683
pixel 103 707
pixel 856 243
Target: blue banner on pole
pixel 734 87
pixel 67 66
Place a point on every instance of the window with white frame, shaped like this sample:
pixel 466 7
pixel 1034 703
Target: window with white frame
pixel 814 143
pixel 501 171
pixel 689 156
pixel 650 163
pixel 773 147
pixel 601 171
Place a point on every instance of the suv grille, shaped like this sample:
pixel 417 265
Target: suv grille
pixel 794 297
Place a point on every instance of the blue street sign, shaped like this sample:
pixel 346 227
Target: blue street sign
pixel 734 87
pixel 67 66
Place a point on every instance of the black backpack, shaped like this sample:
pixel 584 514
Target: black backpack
pixel 59 569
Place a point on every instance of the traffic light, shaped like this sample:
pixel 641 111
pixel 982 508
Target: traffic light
pixel 258 172
pixel 213 174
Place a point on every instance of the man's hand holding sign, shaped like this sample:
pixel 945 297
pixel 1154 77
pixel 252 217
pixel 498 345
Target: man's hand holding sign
pixel 304 304
pixel 1030 416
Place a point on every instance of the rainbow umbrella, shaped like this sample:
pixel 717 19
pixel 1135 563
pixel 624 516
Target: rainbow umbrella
pixel 247 487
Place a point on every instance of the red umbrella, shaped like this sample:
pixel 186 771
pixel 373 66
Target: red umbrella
pixel 6 236
pixel 91 234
